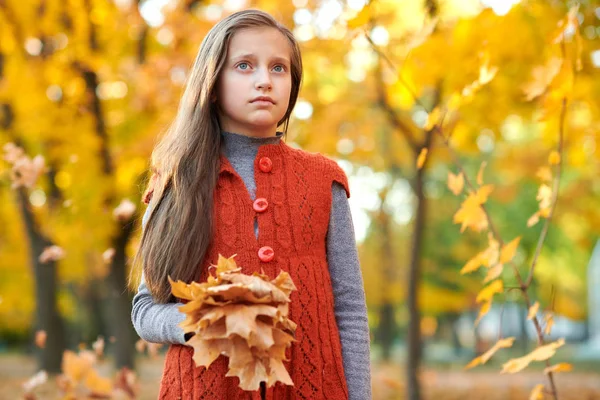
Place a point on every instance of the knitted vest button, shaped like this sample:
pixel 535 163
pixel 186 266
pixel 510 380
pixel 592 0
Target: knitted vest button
pixel 265 164
pixel 266 254
pixel 260 204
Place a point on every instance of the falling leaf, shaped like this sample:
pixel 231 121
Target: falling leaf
pixel 422 157
pixel 560 367
pixel 51 253
pixel 490 290
pixel 508 251
pixel 549 320
pixel 470 213
pixel 542 353
pixel 40 338
pixel 456 183
pixel 537 393
pixel 482 359
pixel 124 210
pixel 480 173
pixel 554 158
pixel 533 310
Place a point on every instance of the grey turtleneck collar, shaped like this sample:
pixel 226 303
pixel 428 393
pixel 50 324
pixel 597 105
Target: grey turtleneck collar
pixel 241 151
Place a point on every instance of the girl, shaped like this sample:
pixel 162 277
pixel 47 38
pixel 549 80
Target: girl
pixel 225 182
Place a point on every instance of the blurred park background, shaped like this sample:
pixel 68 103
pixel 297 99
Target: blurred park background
pixel 505 90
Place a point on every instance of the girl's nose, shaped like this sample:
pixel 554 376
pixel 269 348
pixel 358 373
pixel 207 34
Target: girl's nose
pixel 263 79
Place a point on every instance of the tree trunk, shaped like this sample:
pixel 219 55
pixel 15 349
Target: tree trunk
pixel 47 315
pixel 119 301
pixel 414 279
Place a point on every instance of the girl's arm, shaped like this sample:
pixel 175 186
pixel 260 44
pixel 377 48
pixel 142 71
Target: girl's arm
pixel 156 323
pixel 349 296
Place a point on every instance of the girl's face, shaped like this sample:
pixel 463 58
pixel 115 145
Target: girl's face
pixel 253 91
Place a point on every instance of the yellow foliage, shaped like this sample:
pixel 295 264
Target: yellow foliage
pixel 542 353
pixel 482 359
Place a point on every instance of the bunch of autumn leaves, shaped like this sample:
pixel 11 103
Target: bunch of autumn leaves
pixel 244 317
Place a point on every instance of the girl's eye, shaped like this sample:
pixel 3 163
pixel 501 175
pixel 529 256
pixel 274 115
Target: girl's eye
pixel 243 66
pixel 279 68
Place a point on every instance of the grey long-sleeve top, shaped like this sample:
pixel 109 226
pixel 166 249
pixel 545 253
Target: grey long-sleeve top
pixel 158 323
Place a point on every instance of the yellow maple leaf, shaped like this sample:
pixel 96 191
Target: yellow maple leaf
pixel 243 317
pixel 473 264
pixel 508 250
pixel 361 19
pixel 485 308
pixel 537 393
pixel 493 273
pixel 470 214
pixel 533 310
pixel 560 367
pixel 490 290
pixel 482 359
pixel 544 174
pixel 422 157
pixel 554 158
pixel 542 77
pixel 456 183
pixel 542 353
pixel 544 196
pixel 433 118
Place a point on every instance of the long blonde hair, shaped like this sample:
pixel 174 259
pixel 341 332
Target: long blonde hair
pixel 186 163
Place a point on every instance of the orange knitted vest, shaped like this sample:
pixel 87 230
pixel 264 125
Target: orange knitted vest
pixel 297 188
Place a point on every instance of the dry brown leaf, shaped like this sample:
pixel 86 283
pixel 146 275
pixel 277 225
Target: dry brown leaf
pixel 482 359
pixel 99 386
pixel 456 183
pixel 533 310
pixel 126 381
pixel 560 367
pixel 243 317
